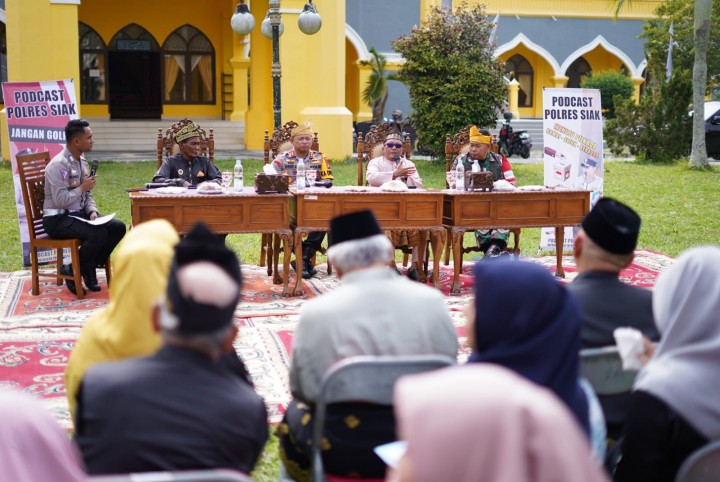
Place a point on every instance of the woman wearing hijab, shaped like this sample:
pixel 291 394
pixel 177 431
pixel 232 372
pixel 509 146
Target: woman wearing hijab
pixel 675 408
pixel 33 447
pixel 504 429
pixel 123 329
pixel 526 321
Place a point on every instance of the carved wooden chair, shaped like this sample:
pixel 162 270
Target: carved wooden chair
pixel 166 142
pixel 370 147
pixel 455 146
pixel 31 168
pixel 280 141
pixel 272 146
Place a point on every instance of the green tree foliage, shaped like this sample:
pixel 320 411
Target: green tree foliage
pixel 453 78
pixel 658 129
pixel 655 33
pixel 376 90
pixel 611 84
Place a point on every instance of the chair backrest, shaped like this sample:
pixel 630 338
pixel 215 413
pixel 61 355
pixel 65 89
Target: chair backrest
pixel 31 169
pixel 166 142
pixel 602 367
pixel 275 144
pixel 206 475
pixel 458 144
pixel 703 465
pixel 368 379
pixel 367 147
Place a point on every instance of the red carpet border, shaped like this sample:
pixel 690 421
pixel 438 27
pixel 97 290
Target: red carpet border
pixel 37 333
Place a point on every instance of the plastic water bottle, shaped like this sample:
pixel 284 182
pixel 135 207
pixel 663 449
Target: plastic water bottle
pixel 460 177
pixel 476 166
pixel 300 180
pixel 238 178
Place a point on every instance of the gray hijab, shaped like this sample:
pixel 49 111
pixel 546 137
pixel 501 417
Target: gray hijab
pixel 685 371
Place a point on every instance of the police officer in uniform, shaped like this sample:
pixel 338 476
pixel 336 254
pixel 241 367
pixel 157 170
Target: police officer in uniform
pixel 68 195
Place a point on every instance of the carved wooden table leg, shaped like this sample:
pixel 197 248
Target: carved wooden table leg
pixel 276 254
pixel 559 241
pixel 423 237
pixel 457 241
pixel 299 233
pixel 286 236
pixel 437 237
pixel 448 246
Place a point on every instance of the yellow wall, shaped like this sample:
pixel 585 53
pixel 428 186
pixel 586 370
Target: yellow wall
pixel 160 20
pixel 600 59
pixel 353 91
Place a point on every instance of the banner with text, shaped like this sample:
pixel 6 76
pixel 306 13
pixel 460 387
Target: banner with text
pixel 36 116
pixel 573 148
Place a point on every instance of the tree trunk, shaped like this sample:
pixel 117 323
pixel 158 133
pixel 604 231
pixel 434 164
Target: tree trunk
pixel 703 10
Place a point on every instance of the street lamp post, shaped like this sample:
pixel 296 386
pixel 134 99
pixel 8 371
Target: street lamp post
pixel 242 23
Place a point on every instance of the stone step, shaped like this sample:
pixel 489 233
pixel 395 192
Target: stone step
pixel 141 135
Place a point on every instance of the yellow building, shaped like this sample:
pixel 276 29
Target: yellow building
pixel 154 59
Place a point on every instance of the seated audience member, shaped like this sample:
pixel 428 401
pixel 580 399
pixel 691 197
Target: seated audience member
pixel 33 447
pixel 123 329
pixel 373 312
pixel 181 408
pixel 675 407
pixel 492 242
pixel 538 338
pixel 604 247
pixel 389 167
pixel 286 163
pixel 482 422
pixel 188 168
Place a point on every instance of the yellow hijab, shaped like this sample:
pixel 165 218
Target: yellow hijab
pixel 123 329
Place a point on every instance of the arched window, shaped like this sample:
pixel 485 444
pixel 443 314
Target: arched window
pixel 577 70
pixel 133 37
pixel 520 69
pixel 189 67
pixel 3 56
pixel 93 66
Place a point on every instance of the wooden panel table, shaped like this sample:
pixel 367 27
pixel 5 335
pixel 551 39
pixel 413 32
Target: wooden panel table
pixel 225 213
pixel 467 211
pixel 416 209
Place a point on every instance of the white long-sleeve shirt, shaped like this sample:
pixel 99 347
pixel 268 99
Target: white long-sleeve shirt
pixel 380 170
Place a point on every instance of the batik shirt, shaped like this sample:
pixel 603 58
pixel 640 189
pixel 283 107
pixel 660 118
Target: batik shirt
pixel 286 163
pixel 495 163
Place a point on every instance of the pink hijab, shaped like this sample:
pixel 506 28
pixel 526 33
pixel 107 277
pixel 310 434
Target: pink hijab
pixel 33 447
pixel 484 423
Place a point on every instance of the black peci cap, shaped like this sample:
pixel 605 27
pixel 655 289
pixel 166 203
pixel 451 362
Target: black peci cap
pixel 349 227
pixel 613 226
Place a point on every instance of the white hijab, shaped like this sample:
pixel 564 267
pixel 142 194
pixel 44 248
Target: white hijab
pixel 685 371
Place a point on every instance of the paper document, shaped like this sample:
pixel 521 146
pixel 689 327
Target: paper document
pixel 97 221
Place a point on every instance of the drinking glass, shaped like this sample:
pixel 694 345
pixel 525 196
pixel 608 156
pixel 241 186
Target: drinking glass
pixel 311 175
pixel 227 178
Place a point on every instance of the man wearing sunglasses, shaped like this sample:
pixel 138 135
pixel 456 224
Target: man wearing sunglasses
pixel 391 166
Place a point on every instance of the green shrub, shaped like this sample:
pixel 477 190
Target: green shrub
pixel 658 129
pixel 612 84
pixel 453 78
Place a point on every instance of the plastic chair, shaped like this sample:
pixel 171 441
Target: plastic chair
pixel 703 465
pixel 602 367
pixel 166 142
pixel 31 169
pixel 207 475
pixel 367 379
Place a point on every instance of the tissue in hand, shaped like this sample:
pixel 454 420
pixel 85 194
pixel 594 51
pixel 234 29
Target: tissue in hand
pixel 630 346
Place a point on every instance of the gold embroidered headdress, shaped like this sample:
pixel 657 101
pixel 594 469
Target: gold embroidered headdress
pixel 476 136
pixel 304 128
pixel 190 130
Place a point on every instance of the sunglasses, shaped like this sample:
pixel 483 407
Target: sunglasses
pixel 393 146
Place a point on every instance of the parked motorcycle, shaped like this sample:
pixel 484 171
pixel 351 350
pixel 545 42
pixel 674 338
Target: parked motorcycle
pixel 513 142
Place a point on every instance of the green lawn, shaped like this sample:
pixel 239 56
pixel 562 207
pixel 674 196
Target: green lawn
pixel 680 208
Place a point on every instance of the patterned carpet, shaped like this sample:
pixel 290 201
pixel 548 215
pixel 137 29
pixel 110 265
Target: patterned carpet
pixel 37 332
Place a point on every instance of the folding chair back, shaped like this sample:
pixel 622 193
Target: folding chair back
pixel 602 367
pixel 207 475
pixel 703 465
pixel 368 379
